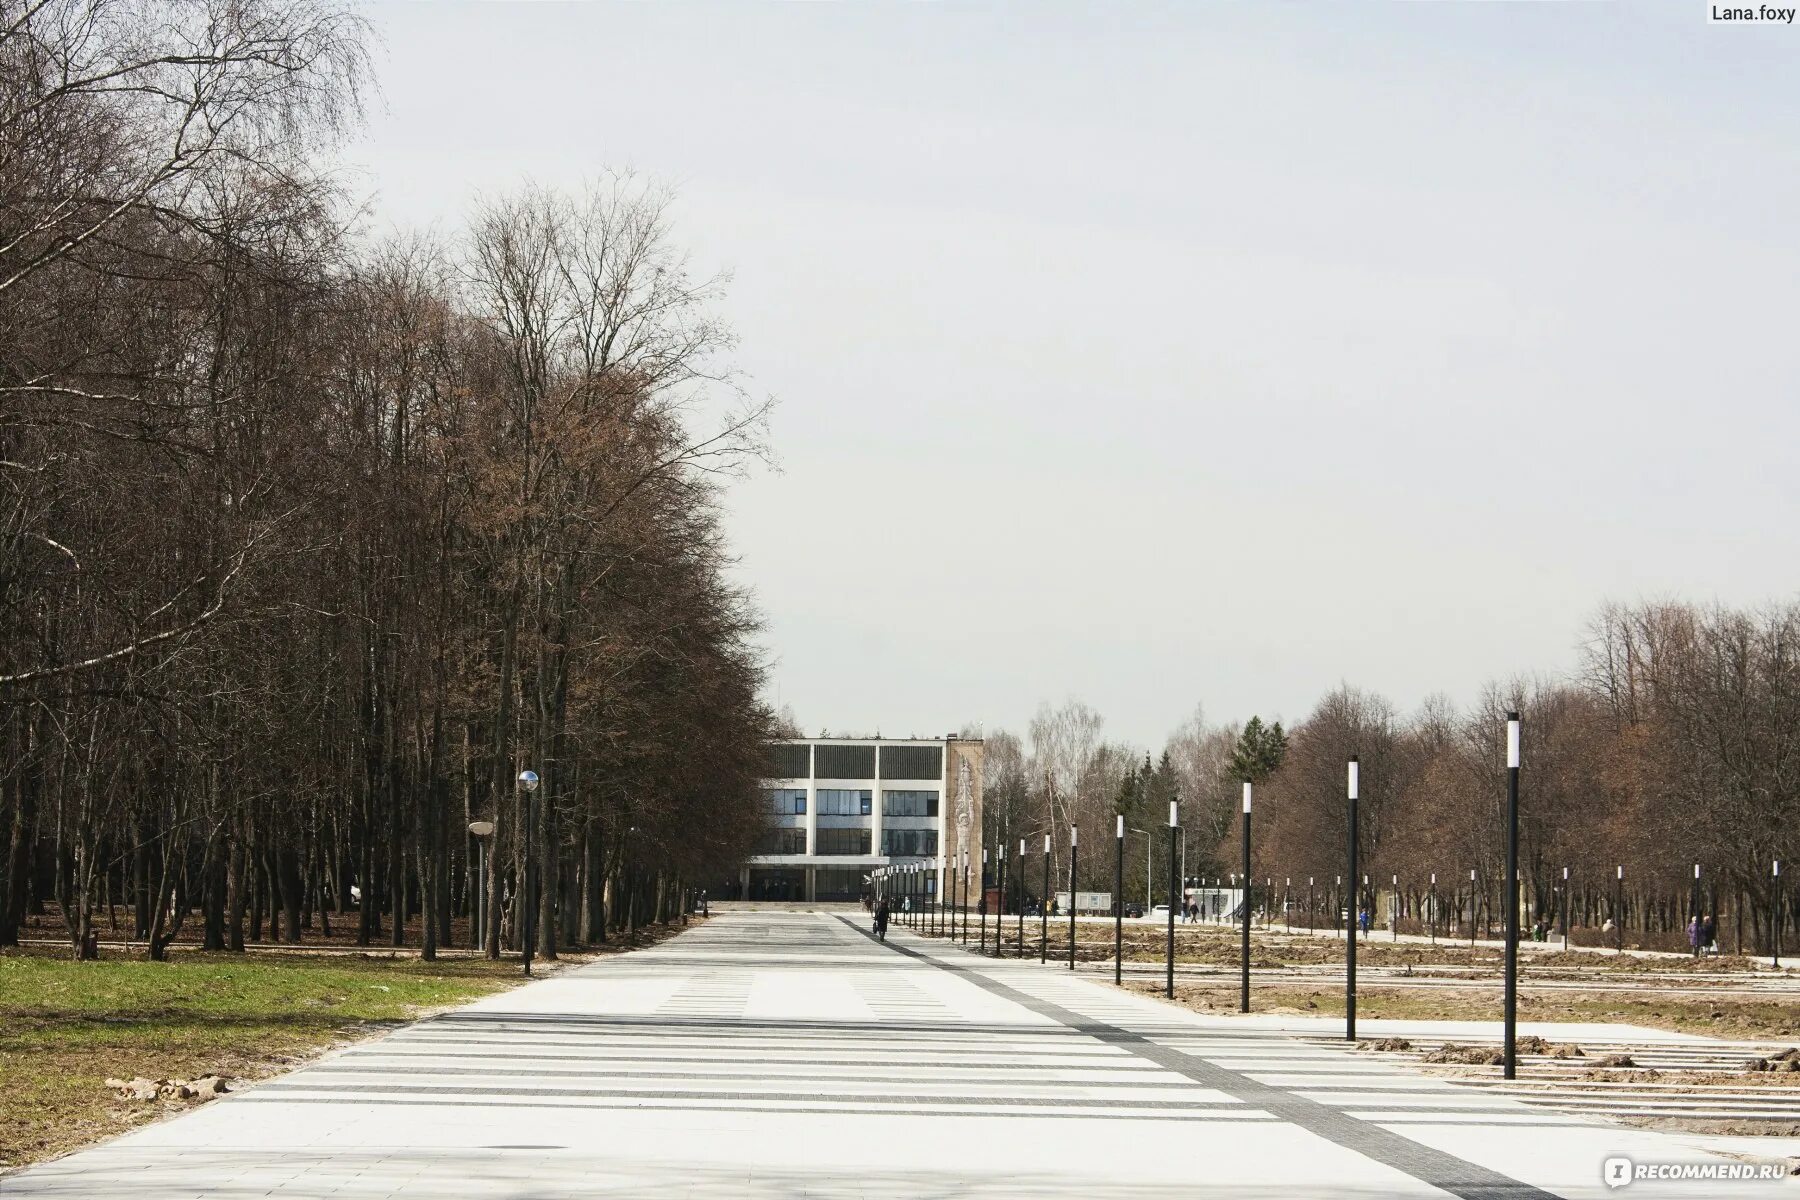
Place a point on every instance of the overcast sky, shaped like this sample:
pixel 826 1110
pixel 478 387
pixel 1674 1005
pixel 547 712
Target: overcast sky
pixel 1172 354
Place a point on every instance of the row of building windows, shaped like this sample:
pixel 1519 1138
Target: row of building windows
pixel 782 841
pixel 788 802
pixel 909 804
pixel 903 843
pixel 847 802
pixel 898 843
pixel 825 761
pixel 840 802
pixel 843 841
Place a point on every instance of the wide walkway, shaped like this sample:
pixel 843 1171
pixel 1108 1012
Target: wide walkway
pixel 788 1054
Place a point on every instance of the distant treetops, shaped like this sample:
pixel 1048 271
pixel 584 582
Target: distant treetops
pixel 1259 751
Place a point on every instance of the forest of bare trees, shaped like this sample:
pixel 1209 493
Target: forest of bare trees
pixel 1676 742
pixel 310 542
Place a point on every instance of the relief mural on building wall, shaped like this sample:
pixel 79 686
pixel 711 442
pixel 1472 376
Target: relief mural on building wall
pixel 964 774
pixel 965 803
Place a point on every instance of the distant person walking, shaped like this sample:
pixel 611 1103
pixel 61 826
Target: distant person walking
pixel 881 918
pixel 1709 934
pixel 1694 933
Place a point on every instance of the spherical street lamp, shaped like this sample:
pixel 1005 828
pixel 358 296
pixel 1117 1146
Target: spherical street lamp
pixel 481 831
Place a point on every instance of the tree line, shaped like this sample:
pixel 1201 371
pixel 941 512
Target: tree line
pixel 1674 742
pixel 310 542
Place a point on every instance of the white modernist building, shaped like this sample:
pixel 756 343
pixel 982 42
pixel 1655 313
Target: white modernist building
pixel 841 807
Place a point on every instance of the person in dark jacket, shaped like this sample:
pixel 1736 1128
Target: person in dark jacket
pixel 881 918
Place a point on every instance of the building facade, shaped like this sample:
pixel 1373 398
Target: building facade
pixel 840 807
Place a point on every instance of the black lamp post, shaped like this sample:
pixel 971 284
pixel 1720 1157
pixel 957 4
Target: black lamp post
pixel 981 917
pixel 1431 907
pixel 1244 945
pixel 1619 909
pixel 947 917
pixel 1019 895
pixel 1044 908
pixel 1352 786
pixel 1694 910
pixel 1565 908
pixel 1119 906
pixel 968 878
pixel 1510 1068
pixel 940 876
pixel 1001 879
pixel 1174 887
pixel 951 917
pixel 1471 908
pixel 1074 849
pixel 528 782
pixel 1776 906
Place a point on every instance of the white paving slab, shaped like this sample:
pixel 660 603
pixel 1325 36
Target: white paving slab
pixel 787 1054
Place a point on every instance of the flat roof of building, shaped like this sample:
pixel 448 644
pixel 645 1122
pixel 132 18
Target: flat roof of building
pixel 870 741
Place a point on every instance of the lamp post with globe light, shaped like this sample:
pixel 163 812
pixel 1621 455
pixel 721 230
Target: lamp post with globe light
pixel 528 783
pixel 482 831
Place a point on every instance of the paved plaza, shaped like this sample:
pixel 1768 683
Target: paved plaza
pixel 769 1054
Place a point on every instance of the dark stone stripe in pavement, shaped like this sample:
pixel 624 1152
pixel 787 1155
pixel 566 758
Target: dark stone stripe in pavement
pixel 1441 1170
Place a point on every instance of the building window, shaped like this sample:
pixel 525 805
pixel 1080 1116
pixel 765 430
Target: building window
pixel 912 762
pixel 782 841
pixel 909 843
pixel 787 802
pixel 843 841
pixel 909 804
pixel 844 762
pixel 843 802
pixel 789 762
